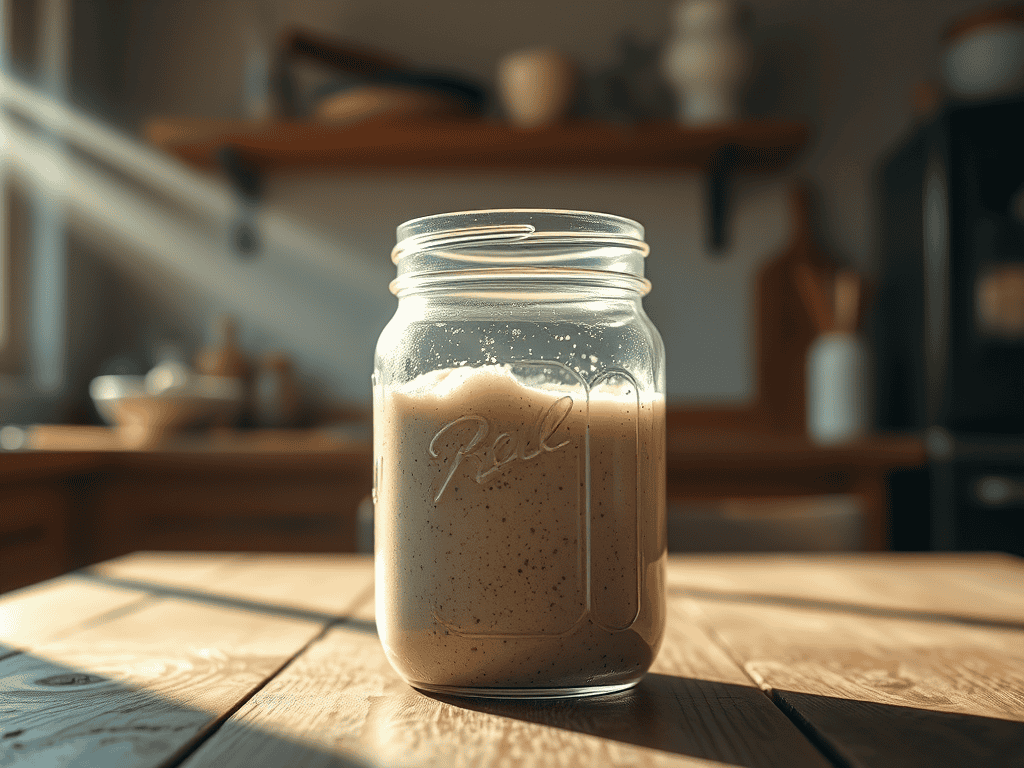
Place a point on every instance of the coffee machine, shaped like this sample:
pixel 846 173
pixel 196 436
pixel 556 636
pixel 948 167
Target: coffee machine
pixel 948 325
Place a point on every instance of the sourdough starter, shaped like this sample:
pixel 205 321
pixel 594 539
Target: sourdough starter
pixel 504 560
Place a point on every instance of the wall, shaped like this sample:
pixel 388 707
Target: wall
pixel 845 66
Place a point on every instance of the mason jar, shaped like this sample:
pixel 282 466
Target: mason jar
pixel 519 456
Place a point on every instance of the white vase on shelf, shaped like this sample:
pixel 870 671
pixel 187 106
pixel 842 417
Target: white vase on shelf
pixel 708 61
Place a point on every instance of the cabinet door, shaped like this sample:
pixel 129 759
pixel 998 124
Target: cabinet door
pixel 33 533
pixel 272 512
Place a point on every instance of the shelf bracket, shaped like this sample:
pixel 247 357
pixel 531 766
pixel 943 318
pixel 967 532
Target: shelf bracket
pixel 719 186
pixel 248 187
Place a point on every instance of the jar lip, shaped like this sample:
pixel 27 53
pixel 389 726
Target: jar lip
pixel 491 227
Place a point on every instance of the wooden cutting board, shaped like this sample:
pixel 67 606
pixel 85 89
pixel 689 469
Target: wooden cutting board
pixel 785 326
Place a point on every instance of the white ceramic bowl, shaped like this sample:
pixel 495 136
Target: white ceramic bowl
pixel 144 419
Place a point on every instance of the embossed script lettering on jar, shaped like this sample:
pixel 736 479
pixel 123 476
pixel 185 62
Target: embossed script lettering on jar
pixel 506 447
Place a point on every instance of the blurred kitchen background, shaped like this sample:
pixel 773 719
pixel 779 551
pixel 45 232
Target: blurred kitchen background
pixel 206 191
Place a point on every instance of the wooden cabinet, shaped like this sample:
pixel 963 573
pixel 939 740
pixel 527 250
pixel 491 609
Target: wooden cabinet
pixel 37 525
pixel 60 510
pixel 261 503
pixel 34 541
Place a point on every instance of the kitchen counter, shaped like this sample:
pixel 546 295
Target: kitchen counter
pixel 79 497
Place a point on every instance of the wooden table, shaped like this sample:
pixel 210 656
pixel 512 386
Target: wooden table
pixel 253 659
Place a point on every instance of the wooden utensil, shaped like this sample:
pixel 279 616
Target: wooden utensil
pixel 815 296
pixel 847 301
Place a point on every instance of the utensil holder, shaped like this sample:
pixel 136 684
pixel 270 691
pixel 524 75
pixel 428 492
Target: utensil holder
pixel 837 388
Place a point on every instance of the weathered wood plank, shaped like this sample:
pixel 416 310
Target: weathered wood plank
pixel 36 614
pixel 168 569
pixel 878 691
pixel 320 587
pixel 329 584
pixel 139 689
pixel 341 703
pixel 984 587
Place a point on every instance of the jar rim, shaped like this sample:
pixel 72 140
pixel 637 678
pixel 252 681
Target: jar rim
pixel 495 226
pixel 516 245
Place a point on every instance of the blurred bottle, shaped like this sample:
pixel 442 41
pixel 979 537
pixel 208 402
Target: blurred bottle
pixel 278 398
pixel 838 407
pixel 224 358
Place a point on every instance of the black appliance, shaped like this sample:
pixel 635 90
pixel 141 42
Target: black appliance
pixel 948 326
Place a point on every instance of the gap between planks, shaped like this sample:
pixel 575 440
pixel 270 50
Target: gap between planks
pixel 874 691
pixel 792 714
pixel 181 617
pixel 366 597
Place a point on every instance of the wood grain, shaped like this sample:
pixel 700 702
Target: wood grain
pixel 877 692
pixel 869 662
pixel 320 587
pixel 327 584
pixel 340 703
pixel 168 569
pixel 34 615
pixel 139 689
pixel 976 587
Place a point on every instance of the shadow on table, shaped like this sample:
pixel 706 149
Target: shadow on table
pixel 697 718
pixel 56 715
pixel 723 722
pixel 53 714
pixel 232 601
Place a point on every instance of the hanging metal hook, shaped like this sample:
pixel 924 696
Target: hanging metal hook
pixel 248 188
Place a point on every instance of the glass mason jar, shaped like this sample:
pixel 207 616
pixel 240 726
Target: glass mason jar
pixel 519 456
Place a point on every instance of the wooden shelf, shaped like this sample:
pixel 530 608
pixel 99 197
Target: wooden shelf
pixel 754 146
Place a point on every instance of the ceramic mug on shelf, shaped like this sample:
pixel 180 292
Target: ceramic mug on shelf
pixel 537 87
